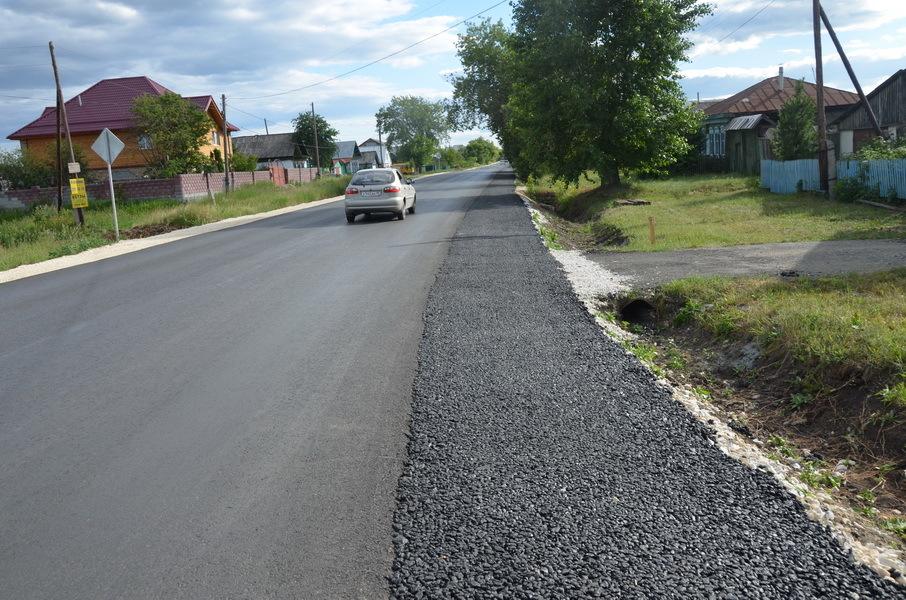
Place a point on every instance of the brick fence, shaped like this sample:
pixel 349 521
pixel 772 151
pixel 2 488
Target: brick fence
pixel 185 187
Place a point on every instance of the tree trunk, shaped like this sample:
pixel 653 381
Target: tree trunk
pixel 610 175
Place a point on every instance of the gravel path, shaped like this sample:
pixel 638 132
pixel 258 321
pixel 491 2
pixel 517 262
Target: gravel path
pixel 649 269
pixel 544 462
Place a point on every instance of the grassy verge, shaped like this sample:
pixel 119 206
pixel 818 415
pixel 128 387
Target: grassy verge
pixel 704 211
pixel 40 234
pixel 814 368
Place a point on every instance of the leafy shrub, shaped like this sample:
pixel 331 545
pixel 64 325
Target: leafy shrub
pixel 882 149
pixel 23 170
pixel 850 189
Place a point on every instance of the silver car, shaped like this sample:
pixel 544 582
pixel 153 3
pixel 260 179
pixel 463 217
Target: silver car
pixel 379 191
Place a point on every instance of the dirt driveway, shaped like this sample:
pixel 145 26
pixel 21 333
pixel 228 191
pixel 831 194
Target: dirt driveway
pixel 649 269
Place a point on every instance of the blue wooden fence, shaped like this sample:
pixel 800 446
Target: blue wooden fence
pixel 886 177
pixel 784 177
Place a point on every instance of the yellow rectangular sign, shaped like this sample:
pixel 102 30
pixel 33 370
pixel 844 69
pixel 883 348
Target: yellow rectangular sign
pixel 78 193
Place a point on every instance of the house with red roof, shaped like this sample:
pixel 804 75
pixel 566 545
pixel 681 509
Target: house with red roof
pixel 739 129
pixel 108 103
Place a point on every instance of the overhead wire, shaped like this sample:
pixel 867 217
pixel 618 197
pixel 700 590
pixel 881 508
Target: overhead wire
pixel 374 62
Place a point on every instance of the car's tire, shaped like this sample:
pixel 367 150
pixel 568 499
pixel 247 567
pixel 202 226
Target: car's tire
pixel 412 208
pixel 350 217
pixel 401 215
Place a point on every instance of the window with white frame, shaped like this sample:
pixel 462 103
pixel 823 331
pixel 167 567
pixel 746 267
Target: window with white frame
pixel 215 137
pixel 144 142
pixel 715 141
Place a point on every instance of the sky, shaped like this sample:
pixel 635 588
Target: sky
pixel 256 52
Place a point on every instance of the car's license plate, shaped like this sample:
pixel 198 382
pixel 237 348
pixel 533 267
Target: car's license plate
pixel 371 193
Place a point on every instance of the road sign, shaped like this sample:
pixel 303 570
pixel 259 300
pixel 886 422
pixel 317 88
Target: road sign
pixel 74 168
pixel 108 146
pixel 77 193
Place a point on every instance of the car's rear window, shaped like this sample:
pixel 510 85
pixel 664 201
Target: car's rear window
pixel 368 177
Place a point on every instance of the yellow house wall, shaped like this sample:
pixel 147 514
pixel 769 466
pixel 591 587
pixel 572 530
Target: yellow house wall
pixel 130 157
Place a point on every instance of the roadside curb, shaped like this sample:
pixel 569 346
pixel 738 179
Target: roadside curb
pixel 129 246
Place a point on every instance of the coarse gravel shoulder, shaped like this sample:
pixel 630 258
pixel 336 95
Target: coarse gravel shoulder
pixel 546 462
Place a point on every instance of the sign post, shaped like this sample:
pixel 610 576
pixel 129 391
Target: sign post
pixel 108 147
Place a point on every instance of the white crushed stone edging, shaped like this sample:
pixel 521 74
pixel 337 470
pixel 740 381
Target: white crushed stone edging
pixel 134 245
pixel 590 281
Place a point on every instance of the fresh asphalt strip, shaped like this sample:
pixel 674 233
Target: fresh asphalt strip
pixel 546 462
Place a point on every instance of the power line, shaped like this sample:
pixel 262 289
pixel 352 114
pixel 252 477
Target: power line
pixel 356 45
pixel 383 58
pixel 747 21
pixel 20 47
pixel 25 98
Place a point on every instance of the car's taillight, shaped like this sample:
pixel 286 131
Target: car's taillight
pixel 392 189
pixel 351 191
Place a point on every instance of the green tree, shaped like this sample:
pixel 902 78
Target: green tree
pixel 176 130
pixel 482 90
pixel 482 151
pixel 304 137
pixel 50 158
pixel 414 126
pixel 419 151
pixel 796 136
pixel 23 170
pixel 597 85
pixel 239 161
pixel 452 157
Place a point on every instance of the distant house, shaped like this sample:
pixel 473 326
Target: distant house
pixel 346 158
pixel 369 160
pixel 380 150
pixel 108 103
pixel 738 130
pixel 853 129
pixel 273 148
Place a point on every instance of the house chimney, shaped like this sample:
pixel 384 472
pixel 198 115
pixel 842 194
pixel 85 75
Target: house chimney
pixel 780 78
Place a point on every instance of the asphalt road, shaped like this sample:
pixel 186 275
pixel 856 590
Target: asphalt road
pixel 220 417
pixel 835 257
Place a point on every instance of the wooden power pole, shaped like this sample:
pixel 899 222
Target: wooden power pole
pixel 59 173
pixel 226 144
pixel 823 174
pixel 80 218
pixel 314 124
pixel 852 74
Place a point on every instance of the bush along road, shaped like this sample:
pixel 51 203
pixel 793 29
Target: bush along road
pixel 546 462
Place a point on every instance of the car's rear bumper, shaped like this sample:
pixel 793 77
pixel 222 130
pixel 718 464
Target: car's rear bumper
pixel 391 204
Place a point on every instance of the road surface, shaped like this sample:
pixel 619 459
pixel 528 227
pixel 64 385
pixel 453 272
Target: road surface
pixel 223 416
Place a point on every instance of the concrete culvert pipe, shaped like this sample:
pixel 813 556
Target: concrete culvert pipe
pixel 637 310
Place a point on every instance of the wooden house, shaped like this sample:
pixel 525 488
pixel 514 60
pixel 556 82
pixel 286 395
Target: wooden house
pixel 741 143
pixel 108 104
pixel 853 129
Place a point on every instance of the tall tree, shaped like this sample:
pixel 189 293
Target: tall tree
pixel 412 124
pixel 796 137
pixel 176 129
pixel 481 151
pixel 304 137
pixel 481 91
pixel 598 85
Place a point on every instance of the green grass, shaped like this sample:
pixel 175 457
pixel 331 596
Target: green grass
pixel 707 211
pixel 40 234
pixel 851 326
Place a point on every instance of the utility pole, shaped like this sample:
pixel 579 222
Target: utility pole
pixel 380 142
pixel 819 82
pixel 852 74
pixel 266 132
pixel 226 153
pixel 80 218
pixel 314 124
pixel 59 175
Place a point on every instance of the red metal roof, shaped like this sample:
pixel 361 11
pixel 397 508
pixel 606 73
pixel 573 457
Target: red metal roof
pixel 766 96
pixel 108 103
